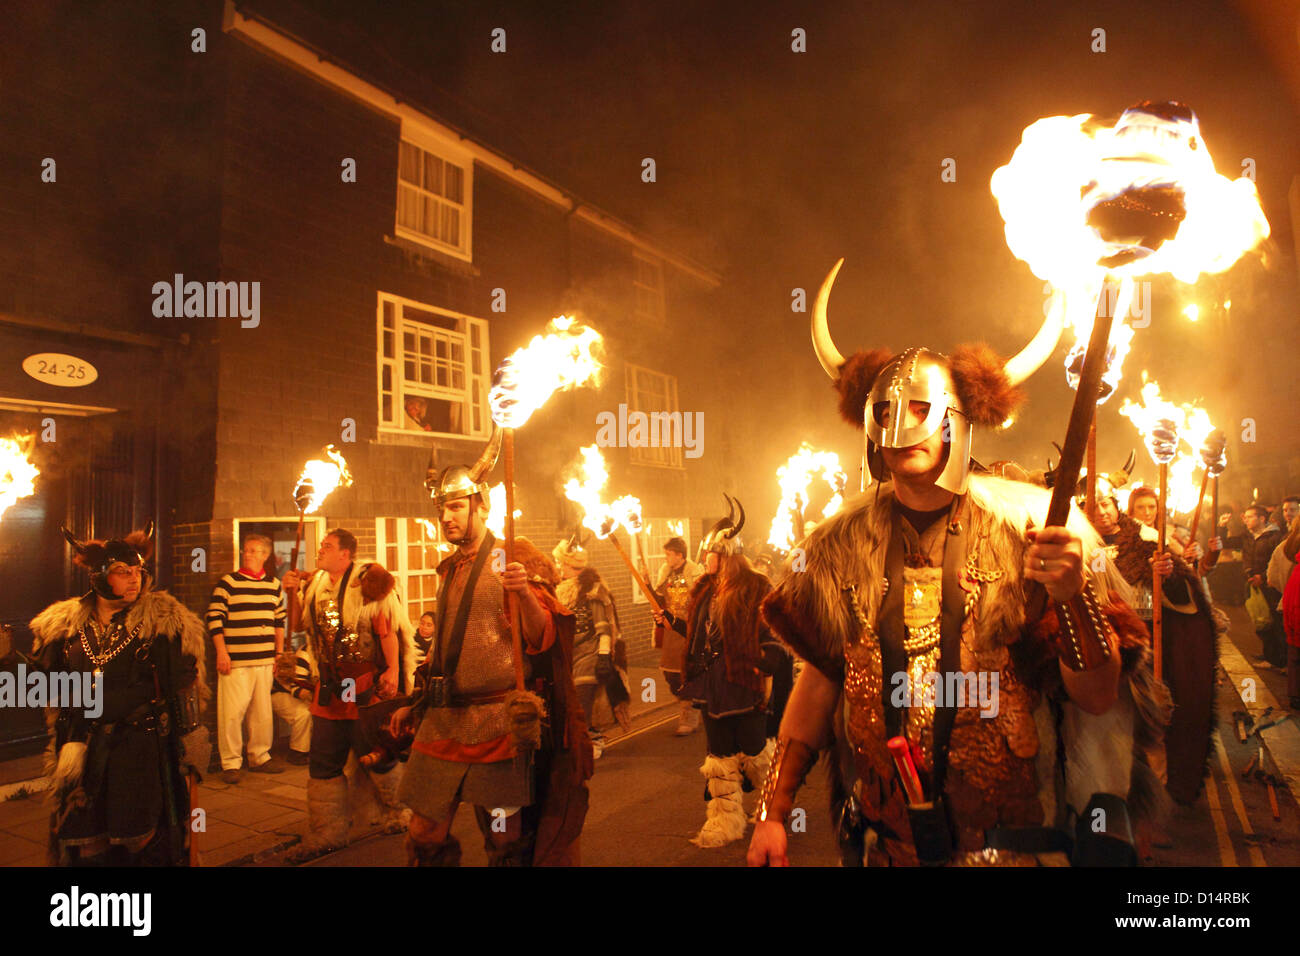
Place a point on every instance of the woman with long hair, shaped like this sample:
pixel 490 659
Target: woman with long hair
pixel 730 655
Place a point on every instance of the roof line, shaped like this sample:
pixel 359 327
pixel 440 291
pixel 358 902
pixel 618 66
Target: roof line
pixel 334 72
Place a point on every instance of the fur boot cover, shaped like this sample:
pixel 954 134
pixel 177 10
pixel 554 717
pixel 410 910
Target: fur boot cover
pixel 725 817
pixel 755 768
pixel 372 798
pixel 327 819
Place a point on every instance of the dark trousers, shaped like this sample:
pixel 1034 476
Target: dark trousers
pixel 1273 637
pixel 331 740
pixel 740 733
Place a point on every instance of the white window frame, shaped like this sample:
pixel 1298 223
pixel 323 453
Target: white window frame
pixel 313 533
pixel 670 457
pixel 401 568
pixel 653 549
pixel 449 152
pixel 657 312
pixel 478 368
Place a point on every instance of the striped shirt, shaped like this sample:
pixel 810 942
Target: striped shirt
pixel 245 612
pixel 301 674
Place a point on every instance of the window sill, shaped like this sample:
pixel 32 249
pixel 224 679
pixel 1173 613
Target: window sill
pixel 387 436
pixel 428 254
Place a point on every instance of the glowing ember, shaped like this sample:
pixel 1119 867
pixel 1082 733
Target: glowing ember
pixel 17 473
pixel 628 511
pixel 1082 200
pixel 1158 420
pixel 1192 428
pixel 567 356
pixel 585 489
pixel 795 477
pixel 496 519
pixel 1193 312
pixel 319 479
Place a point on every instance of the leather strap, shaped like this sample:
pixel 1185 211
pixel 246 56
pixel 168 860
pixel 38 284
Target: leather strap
pixel 449 650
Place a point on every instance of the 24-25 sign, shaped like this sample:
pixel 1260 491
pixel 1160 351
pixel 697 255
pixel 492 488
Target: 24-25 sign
pixel 56 368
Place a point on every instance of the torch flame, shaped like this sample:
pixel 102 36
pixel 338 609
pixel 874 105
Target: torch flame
pixel 794 477
pixel 1192 425
pixel 496 519
pixel 628 511
pixel 584 489
pixel 1067 166
pixel 17 472
pixel 319 479
pixel 567 356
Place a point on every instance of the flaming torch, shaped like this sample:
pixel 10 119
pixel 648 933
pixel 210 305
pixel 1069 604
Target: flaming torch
pixel 794 478
pixel 318 480
pixel 584 490
pixel 1090 208
pixel 1214 458
pixel 17 472
pixel 1159 422
pixel 565 357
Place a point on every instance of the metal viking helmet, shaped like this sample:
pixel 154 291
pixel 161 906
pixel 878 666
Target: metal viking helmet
pixel 972 387
pixel 461 481
pixel 98 557
pixel 1108 483
pixel 723 538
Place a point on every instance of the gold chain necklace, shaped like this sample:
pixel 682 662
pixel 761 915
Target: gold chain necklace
pixel 106 637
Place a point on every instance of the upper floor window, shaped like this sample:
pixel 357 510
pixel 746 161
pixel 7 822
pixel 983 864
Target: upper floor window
pixel 433 369
pixel 655 394
pixel 433 199
pixel 648 280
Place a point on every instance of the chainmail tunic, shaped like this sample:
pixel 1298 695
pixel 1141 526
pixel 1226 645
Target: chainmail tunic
pixel 486 663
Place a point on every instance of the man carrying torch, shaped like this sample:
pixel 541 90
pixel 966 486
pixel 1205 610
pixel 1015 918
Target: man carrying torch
pixel 916 595
pixel 466 749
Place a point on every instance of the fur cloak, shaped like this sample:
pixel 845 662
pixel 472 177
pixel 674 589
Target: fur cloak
pixel 161 614
pixel 812 612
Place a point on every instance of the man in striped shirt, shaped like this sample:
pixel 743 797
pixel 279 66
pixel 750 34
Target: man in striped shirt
pixel 246 622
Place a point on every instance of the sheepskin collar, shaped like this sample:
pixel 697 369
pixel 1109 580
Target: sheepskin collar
pixel 160 613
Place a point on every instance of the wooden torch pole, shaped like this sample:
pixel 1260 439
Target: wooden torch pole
pixel 1157 589
pixel 512 600
pixel 1091 500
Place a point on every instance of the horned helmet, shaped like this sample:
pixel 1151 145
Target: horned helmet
pixel 100 557
pixel 1108 483
pixel 464 481
pixel 572 551
pixel 723 538
pixel 970 387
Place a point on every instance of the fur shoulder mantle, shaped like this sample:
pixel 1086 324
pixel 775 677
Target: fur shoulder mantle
pixel 159 611
pixel 810 610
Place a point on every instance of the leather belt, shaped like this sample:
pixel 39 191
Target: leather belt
pixel 459 701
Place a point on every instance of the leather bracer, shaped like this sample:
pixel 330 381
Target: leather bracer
pixel 790 765
pixel 1085 632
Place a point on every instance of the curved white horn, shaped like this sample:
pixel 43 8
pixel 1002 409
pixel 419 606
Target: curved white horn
pixel 1040 348
pixel 823 344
